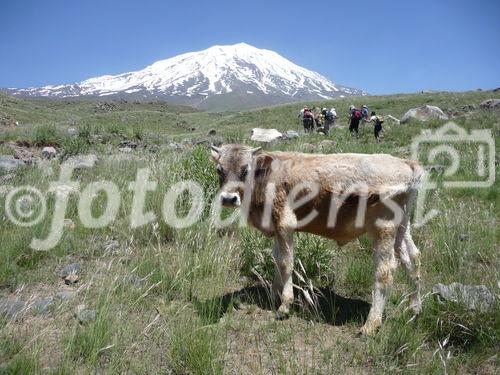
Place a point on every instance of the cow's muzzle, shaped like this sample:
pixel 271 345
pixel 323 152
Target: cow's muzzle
pixel 230 199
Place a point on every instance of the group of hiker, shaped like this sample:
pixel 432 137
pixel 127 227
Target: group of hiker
pixel 323 120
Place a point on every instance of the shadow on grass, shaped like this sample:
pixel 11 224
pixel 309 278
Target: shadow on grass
pixel 330 307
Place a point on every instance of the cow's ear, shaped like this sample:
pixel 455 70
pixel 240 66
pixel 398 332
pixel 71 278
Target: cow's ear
pixel 215 151
pixel 264 161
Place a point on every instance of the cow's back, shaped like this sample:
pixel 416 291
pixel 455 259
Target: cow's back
pixel 345 179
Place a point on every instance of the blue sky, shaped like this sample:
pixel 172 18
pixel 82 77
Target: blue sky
pixel 380 46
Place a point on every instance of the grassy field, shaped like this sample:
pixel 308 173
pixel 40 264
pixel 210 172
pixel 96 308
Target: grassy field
pixel 196 300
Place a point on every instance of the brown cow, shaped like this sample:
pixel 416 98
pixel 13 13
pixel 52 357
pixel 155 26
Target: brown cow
pixel 337 196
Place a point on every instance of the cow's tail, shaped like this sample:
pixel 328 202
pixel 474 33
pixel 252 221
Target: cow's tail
pixel 416 181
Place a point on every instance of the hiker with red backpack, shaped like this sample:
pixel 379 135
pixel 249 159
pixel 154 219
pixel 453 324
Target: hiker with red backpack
pixel 355 116
pixel 378 121
pixel 307 119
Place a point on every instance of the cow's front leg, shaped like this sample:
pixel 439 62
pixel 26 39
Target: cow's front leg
pixel 282 284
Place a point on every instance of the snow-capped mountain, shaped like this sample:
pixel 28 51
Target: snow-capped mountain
pixel 220 77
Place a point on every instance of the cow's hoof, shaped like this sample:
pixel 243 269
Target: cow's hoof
pixel 416 308
pixel 282 313
pixel 369 330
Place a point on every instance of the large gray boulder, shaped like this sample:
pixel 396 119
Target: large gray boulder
pixel 473 297
pixel 424 113
pixel 9 163
pixel 266 135
pixel 490 104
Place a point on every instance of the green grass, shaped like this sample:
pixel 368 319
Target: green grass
pixel 184 301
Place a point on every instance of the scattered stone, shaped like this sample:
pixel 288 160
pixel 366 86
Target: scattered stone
pixel 490 104
pixel 41 306
pixel 265 135
pixel 135 280
pixel 212 132
pixel 85 315
pixel 175 146
pixel 463 237
pixel 111 246
pixel 127 143
pixel 291 134
pixel 9 163
pixel 125 149
pixel 469 107
pixel 424 113
pixel 83 161
pixel 65 295
pixel 70 273
pixel 473 297
pixel 49 152
pixel 11 308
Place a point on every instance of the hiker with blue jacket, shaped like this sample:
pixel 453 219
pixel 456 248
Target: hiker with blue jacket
pixel 330 117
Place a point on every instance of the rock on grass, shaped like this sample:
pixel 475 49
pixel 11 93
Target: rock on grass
pixel 473 297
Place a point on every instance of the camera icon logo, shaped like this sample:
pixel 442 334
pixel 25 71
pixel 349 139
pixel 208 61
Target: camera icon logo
pixel 465 152
pixel 469 159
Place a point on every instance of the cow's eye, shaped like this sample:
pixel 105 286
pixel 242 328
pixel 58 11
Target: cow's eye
pixel 243 172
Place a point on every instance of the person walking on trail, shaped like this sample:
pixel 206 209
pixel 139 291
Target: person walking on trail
pixel 364 112
pixel 378 121
pixel 354 119
pixel 330 117
pixel 307 119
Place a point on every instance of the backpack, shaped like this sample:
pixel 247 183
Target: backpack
pixel 380 120
pixel 330 116
pixel 364 111
pixel 356 113
pixel 308 114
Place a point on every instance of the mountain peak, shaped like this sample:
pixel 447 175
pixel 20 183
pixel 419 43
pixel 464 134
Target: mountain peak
pixel 237 75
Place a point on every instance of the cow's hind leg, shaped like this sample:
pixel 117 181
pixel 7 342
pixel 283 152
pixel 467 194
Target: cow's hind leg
pixel 414 272
pixel 383 254
pixel 282 284
pixel 409 256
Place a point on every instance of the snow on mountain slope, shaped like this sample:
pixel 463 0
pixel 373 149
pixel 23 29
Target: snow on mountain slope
pixel 237 72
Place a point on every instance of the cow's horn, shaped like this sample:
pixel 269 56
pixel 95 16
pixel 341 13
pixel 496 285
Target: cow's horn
pixel 255 150
pixel 216 149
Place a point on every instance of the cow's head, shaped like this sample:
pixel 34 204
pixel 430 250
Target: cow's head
pixel 235 165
